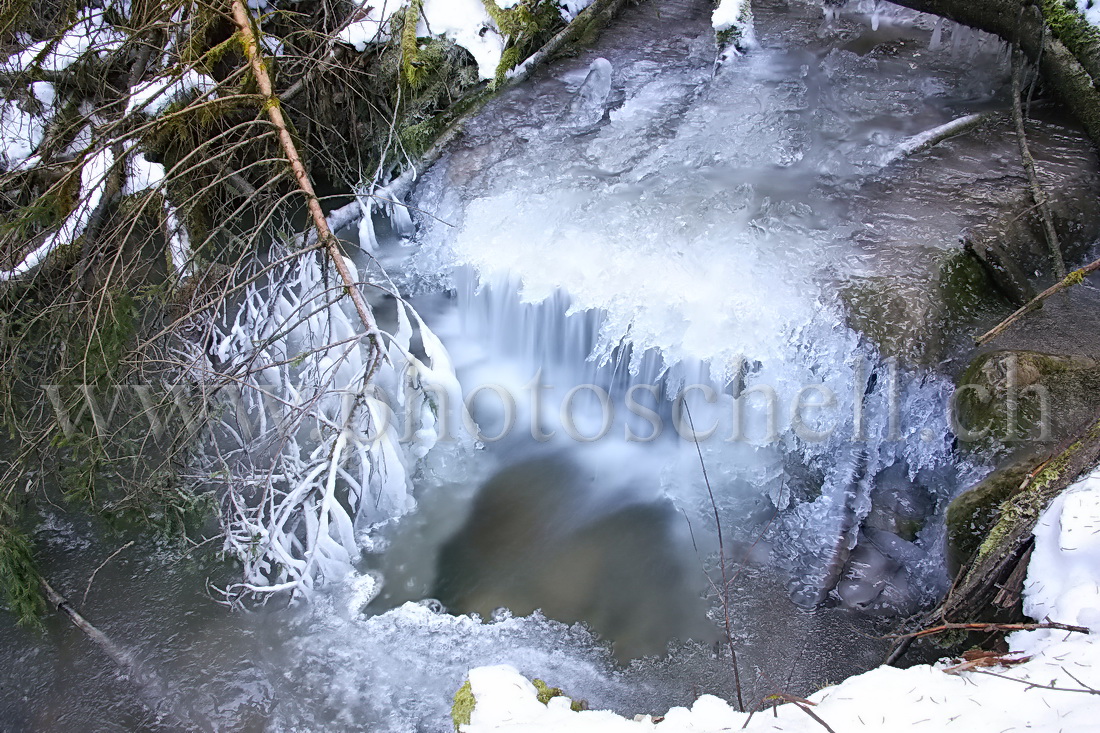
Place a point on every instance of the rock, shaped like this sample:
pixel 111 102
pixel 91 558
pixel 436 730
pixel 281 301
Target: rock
pixel 1015 398
pixel 972 514
pixel 1012 247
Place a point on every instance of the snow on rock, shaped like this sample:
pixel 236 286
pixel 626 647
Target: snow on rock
pixel 467 23
pixel 1090 9
pixel 1063 577
pixel 1063 585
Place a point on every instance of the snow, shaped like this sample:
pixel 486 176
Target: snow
pixel 153 96
pixel 570 9
pixel 467 23
pixel 728 14
pixel 1063 585
pixel 143 175
pixel 93 183
pixel 20 133
pixel 1090 9
pixel 89 34
pixel 373 26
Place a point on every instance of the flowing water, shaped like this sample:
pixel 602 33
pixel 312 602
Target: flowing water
pixel 637 245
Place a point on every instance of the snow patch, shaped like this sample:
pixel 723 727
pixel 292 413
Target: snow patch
pixel 1090 9
pixel 153 96
pixel 466 23
pixel 570 9
pixel 89 34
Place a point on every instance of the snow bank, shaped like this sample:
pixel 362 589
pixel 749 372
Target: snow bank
pixel 1063 585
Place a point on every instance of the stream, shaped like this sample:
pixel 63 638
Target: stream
pixel 658 276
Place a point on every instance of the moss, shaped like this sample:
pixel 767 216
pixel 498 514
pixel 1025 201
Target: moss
pixel 972 514
pixel 525 26
pixel 1070 27
pixel 419 137
pixel 464 702
pixel 463 706
pixel 412 71
pixel 1027 504
pixel 546 693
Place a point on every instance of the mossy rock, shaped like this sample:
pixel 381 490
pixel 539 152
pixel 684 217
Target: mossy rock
pixel 973 513
pixel 1016 398
pixel 464 701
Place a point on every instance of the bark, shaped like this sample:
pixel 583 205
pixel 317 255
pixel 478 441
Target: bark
pixel 1069 62
pixel 325 237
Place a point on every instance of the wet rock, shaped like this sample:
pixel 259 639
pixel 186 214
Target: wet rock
pixel 1015 398
pixel 1012 247
pixel 973 513
pixel 935 272
pixel 898 505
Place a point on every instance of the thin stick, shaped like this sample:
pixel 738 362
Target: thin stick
pixel 1074 278
pixel 990 627
pixel 721 563
pixel 84 598
pixel 324 235
pixel 1037 193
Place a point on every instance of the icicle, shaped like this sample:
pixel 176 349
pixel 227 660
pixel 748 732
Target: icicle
pixel 937 35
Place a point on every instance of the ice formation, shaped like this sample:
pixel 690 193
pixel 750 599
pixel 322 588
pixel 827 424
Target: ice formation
pixel 314 436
